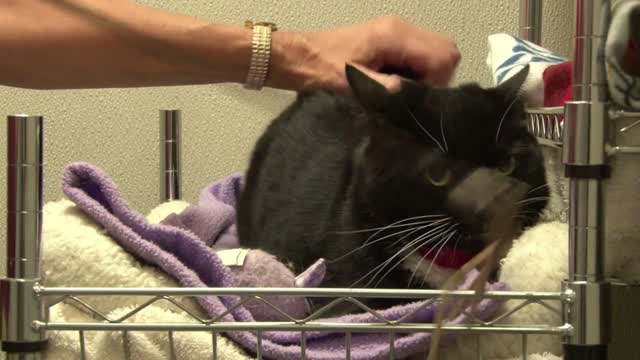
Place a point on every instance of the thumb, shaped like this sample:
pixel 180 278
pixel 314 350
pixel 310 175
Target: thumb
pixel 393 83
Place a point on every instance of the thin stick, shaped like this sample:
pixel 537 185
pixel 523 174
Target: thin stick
pixel 499 230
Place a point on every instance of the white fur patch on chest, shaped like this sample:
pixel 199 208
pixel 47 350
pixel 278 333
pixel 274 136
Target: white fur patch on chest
pixel 433 275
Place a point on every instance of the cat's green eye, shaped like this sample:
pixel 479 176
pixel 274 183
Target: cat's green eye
pixel 508 167
pixel 438 176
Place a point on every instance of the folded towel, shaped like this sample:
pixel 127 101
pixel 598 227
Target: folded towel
pixel 76 252
pixel 557 84
pixel 192 263
pixel 622 55
pixel 537 261
pixel 213 220
pixel 508 54
pixel 65 345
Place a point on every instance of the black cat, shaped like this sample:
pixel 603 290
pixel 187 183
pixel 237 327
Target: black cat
pixel 383 185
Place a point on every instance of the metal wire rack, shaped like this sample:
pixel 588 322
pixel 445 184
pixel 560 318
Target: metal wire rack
pixel 546 124
pixel 552 301
pixel 577 128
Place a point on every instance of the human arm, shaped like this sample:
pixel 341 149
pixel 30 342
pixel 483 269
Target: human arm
pixel 66 44
pixel 114 43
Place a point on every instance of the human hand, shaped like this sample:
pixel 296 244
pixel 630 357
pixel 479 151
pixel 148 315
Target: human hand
pixel 317 60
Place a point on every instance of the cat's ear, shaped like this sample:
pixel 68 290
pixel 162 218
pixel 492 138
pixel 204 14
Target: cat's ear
pixel 513 86
pixel 366 90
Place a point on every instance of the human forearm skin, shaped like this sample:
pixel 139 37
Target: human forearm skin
pixel 73 44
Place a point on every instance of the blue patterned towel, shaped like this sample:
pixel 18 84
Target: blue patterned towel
pixel 508 54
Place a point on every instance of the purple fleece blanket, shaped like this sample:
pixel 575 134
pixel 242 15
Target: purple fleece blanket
pixel 193 263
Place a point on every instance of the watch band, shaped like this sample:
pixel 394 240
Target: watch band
pixel 260 54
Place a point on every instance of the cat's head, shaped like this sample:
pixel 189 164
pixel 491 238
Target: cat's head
pixel 449 162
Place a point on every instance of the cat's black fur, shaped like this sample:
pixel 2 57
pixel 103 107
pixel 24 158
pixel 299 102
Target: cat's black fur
pixel 332 163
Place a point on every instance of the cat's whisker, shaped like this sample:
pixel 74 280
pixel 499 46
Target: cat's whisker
pixel 400 262
pixel 455 247
pixel 384 263
pixel 413 250
pixel 440 244
pixel 381 266
pixel 503 117
pixel 417 247
pixel 376 269
pixel 425 234
pixel 538 197
pixel 397 253
pixel 424 278
pixel 378 228
pixel 523 211
pixel 423 129
pixel 538 188
pixel 530 200
pixel 451 230
pixel 435 257
pixel 444 138
pixel 395 223
pixel 415 269
pixel 402 238
pixel 411 231
pixel 427 223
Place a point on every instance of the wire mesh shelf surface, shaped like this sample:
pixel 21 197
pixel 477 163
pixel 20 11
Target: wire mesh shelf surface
pixel 547 125
pixel 552 301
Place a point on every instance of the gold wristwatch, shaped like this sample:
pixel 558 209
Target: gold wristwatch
pixel 260 53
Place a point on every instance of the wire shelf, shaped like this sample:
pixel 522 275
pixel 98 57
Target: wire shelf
pixel 498 324
pixel 547 125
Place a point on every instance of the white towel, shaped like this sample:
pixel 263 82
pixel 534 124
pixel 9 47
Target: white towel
pixel 536 262
pixel 141 345
pixel 77 252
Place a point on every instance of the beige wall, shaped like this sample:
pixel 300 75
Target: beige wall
pixel 117 129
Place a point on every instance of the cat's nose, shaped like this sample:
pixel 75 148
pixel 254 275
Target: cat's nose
pixel 486 196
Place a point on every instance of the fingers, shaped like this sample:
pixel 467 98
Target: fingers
pixel 377 45
pixel 432 56
pixel 393 83
pixel 441 68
